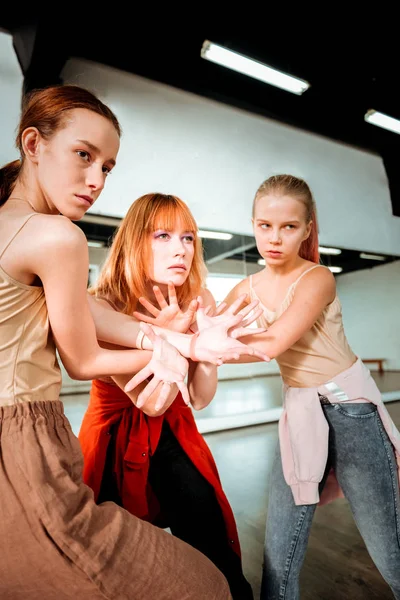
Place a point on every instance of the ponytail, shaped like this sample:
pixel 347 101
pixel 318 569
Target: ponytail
pixel 8 176
pixel 309 248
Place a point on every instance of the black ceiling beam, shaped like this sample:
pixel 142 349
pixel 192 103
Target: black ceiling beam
pixel 42 52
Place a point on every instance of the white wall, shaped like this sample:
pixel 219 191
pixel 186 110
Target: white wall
pixel 215 156
pixel 371 312
pixel 10 98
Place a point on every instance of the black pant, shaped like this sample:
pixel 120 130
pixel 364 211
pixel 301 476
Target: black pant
pixel 192 511
pixel 189 506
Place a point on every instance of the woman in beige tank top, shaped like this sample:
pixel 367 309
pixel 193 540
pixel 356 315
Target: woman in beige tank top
pixel 334 422
pixel 55 541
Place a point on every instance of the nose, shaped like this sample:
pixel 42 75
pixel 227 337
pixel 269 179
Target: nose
pixel 275 236
pixel 179 247
pixel 95 177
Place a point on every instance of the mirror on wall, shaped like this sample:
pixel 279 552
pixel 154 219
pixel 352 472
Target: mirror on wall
pixel 368 287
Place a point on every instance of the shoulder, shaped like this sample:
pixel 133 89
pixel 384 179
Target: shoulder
pixel 319 279
pixel 57 233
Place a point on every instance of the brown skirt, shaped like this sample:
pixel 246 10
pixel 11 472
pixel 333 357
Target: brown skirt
pixel 57 544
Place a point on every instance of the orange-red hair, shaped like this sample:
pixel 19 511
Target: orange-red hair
pixel 124 276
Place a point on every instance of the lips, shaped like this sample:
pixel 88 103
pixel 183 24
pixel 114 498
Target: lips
pixel 86 198
pixel 177 267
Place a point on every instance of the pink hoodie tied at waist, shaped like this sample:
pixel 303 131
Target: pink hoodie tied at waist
pixel 304 431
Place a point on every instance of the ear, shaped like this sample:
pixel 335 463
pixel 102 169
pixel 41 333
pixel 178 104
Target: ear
pixel 30 143
pixel 308 231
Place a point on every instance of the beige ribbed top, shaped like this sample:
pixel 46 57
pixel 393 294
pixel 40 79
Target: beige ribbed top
pixel 321 353
pixel 29 369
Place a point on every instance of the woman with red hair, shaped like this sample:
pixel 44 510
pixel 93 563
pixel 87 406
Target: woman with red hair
pixel 154 462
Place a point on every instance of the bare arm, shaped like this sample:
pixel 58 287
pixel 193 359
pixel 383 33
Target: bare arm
pixel 313 293
pixel 202 377
pixel 157 401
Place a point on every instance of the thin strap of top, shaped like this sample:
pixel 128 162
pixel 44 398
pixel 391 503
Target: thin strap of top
pixel 305 272
pixel 17 232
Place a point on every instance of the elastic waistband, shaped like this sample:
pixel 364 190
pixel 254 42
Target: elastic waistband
pixel 32 410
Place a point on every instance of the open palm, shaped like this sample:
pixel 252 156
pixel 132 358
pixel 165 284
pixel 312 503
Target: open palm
pixel 167 366
pixel 169 314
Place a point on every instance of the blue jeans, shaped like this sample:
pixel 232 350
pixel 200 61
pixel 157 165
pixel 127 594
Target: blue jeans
pixel 365 465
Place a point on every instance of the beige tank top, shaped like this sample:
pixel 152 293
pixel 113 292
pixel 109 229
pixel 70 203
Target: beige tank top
pixel 29 370
pixel 321 353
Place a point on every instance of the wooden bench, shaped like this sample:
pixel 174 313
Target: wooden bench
pixel 379 362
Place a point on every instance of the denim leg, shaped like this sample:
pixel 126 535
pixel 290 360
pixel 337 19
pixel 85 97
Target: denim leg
pixel 366 468
pixel 288 529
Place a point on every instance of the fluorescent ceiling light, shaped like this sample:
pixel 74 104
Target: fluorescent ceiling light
pixel 95 244
pixel 325 250
pixel 381 120
pixel 261 261
pixel 335 269
pixel 372 256
pixel 214 235
pixel 252 68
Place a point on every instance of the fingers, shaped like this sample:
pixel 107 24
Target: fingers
pixel 249 307
pixel 163 395
pixel 220 308
pixel 148 332
pixel 237 304
pixel 251 351
pixel 146 393
pixel 239 332
pixel 192 308
pixel 143 318
pixel 138 378
pixel 160 297
pixel 171 294
pixel 184 391
pixel 256 315
pixel 148 306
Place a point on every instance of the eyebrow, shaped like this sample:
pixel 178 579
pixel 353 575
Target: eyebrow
pixel 96 149
pixel 284 222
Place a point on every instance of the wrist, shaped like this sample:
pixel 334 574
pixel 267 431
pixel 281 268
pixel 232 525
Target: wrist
pixel 192 347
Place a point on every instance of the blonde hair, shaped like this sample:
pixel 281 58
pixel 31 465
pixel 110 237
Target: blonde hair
pixel 123 278
pixel 289 185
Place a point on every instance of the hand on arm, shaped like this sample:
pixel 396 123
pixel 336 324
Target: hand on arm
pixel 312 295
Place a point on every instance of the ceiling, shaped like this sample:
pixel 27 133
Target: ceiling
pixel 350 63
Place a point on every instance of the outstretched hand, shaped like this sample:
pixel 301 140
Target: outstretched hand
pixel 169 314
pixel 167 366
pixel 218 334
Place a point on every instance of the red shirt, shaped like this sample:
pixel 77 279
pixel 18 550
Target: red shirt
pixel 136 439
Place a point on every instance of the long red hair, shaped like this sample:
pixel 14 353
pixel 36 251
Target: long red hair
pixel 297 188
pixel 124 275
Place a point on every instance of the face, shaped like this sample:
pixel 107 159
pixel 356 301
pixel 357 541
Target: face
pixel 72 166
pixel 279 227
pixel 172 255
